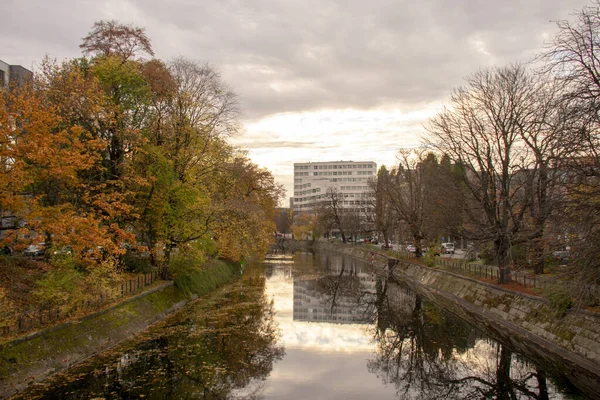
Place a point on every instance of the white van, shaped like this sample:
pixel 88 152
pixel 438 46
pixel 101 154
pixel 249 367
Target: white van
pixel 448 248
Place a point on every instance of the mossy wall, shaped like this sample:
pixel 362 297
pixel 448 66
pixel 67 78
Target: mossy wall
pixel 37 356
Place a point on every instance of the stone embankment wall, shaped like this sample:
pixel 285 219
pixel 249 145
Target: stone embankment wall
pixel 37 356
pixel 528 323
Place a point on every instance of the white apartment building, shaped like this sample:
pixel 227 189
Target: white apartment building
pixel 349 178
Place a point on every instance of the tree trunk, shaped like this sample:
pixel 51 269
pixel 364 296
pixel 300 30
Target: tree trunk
pixel 166 262
pixel 503 381
pixel 540 220
pixel 542 385
pixel 116 154
pixel 418 249
pixel 502 247
pixel 537 256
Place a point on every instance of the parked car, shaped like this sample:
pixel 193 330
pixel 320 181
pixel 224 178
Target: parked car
pixel 411 248
pixel 448 248
pixel 386 246
pixel 62 251
pixel 563 256
pixel 35 250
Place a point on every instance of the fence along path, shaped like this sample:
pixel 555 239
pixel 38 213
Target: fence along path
pixel 40 316
pixel 461 266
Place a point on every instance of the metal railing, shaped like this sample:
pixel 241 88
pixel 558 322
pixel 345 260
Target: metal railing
pixel 490 272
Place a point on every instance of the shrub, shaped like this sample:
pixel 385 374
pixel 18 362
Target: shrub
pixel 201 280
pixel 193 274
pixel 69 287
pixel 518 254
pixel 135 262
pixel 429 259
pixel 487 254
pixel 60 286
pixel 7 310
pixel 559 298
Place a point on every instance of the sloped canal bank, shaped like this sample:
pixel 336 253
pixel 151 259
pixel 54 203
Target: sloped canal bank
pixel 310 326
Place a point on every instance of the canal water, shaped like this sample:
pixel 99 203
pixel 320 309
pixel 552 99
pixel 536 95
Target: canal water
pixel 310 326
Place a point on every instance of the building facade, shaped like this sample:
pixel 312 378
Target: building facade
pixel 350 179
pixel 14 75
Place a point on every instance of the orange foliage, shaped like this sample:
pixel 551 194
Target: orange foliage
pixel 41 185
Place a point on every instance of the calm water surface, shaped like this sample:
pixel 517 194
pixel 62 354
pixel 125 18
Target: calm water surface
pixel 310 327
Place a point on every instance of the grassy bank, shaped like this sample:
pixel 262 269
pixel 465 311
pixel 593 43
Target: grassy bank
pixel 211 275
pixel 30 359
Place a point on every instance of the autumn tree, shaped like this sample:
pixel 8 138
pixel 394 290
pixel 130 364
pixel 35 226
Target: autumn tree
pixel 354 223
pixel 244 223
pixel 186 159
pixel 284 218
pixel 111 38
pixel 78 99
pixel 545 132
pixel 445 199
pixel 482 133
pixel 114 152
pixel 306 225
pixel 46 162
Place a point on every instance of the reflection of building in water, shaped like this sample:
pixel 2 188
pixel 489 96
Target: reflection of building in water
pixel 305 259
pixel 283 263
pixel 345 294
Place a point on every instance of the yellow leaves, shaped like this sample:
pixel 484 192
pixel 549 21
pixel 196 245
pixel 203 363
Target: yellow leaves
pixel 305 226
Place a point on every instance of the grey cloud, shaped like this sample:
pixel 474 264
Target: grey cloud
pixel 31 29
pixel 307 54
pixel 251 144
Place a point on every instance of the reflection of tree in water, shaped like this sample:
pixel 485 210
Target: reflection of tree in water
pixel 222 347
pixel 501 376
pixel 429 354
pixel 343 284
pixel 340 283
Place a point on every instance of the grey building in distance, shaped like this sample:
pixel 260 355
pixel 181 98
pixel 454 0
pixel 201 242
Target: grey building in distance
pixel 349 178
pixel 14 75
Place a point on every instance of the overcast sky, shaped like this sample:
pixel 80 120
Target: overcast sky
pixel 317 80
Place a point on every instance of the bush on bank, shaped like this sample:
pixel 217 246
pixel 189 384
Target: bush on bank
pixel 193 279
